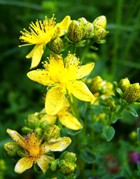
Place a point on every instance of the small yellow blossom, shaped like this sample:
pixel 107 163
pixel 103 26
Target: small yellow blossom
pixel 62 79
pixel 40 34
pixel 64 116
pixel 35 151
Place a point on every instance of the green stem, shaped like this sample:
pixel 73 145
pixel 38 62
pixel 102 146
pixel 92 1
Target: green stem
pixel 74 106
pixel 116 40
pixel 117 113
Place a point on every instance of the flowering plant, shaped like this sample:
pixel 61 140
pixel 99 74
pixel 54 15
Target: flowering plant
pixel 85 105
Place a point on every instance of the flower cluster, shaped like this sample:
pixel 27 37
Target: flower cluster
pixel 64 73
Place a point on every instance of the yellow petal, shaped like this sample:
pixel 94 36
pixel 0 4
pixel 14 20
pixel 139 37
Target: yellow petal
pixel 17 138
pixel 54 100
pixel 69 121
pixel 49 118
pixel 56 145
pixel 40 76
pixel 43 162
pixel 23 164
pixel 80 91
pixel 84 70
pixel 36 55
pixel 63 25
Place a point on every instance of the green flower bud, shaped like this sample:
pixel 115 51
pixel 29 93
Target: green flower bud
pixel 38 132
pixel 75 31
pixel 52 132
pixel 26 130
pixel 132 93
pixel 54 164
pixel 99 35
pixel 124 84
pixel 96 84
pixel 32 121
pixel 87 27
pixel 88 30
pixel 2 165
pixel 82 20
pixel 12 148
pixel 56 45
pixel 44 124
pixel 68 156
pixel 66 167
pixel 100 22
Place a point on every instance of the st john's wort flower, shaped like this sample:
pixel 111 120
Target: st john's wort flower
pixel 35 151
pixel 62 78
pixel 64 116
pixel 41 34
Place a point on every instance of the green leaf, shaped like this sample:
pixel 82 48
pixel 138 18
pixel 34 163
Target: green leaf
pixel 87 156
pixel 108 132
pixel 132 111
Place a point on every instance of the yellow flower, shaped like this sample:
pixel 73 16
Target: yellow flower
pixel 62 79
pixel 35 151
pixel 40 34
pixel 64 116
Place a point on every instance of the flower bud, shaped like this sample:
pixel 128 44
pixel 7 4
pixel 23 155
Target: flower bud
pixel 87 27
pixel 56 45
pixel 132 93
pixel 32 121
pixel 124 84
pixel 96 84
pixel 52 132
pixel 99 35
pixel 68 156
pixel 26 130
pixel 100 22
pixel 12 148
pixel 44 124
pixel 38 132
pixel 54 164
pixel 66 167
pixel 75 31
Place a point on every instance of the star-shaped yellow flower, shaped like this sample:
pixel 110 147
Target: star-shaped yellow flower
pixel 63 77
pixel 40 34
pixel 64 116
pixel 35 151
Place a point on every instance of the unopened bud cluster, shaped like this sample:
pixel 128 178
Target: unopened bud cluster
pixel 65 164
pixel 80 30
pixel 101 88
pixel 99 26
pixel 41 128
pixel 131 92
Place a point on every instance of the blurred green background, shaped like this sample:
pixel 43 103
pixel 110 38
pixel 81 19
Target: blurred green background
pixel 118 58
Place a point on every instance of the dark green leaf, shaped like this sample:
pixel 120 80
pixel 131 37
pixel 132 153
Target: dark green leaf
pixel 108 132
pixel 133 111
